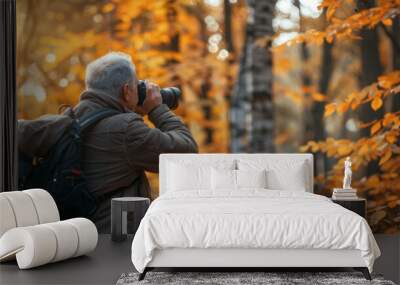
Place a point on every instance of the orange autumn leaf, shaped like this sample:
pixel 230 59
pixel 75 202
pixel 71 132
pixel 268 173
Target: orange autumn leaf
pixel 388 80
pixel 387 22
pixel 385 157
pixel 373 181
pixel 108 7
pixel 330 109
pixel 318 97
pixel 355 104
pixel 329 39
pixel 364 149
pixel 331 11
pixel 376 103
pixel 343 107
pixel 376 127
pixel 391 138
pixel 344 150
pixel 388 119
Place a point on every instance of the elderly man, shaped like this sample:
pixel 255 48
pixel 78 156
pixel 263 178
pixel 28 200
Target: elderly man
pixel 118 149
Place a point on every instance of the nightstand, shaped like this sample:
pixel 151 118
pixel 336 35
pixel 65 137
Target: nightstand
pixel 358 205
pixel 119 211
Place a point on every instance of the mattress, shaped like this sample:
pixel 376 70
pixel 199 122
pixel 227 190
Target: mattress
pixel 250 219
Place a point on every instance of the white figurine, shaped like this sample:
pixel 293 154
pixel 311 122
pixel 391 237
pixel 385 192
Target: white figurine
pixel 347 174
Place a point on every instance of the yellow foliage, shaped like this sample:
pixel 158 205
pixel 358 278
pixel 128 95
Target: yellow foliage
pixel 349 26
pixel 330 109
pixel 376 127
pixel 376 103
pixel 385 157
pixel 318 97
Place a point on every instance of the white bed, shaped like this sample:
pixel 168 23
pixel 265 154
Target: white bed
pixel 248 227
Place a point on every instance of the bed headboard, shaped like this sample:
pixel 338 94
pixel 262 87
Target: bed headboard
pixel 210 157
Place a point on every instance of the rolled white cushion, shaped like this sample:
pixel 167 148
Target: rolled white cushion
pixel 23 208
pixel 45 205
pixel 87 235
pixel 7 218
pixel 33 246
pixel 67 240
pixel 37 245
pixel 26 208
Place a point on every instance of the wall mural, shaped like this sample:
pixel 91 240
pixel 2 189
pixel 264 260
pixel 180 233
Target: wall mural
pixel 281 76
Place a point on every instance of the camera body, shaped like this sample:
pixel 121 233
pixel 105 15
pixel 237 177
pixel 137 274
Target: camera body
pixel 170 95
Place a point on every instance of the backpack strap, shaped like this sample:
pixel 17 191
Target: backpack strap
pixel 94 117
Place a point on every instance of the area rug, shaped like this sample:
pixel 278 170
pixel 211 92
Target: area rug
pixel 243 278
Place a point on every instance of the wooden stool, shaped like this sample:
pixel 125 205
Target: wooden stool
pixel 119 209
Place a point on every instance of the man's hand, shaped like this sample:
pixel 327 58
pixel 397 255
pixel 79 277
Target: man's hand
pixel 153 99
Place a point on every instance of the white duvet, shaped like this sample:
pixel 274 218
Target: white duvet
pixel 250 219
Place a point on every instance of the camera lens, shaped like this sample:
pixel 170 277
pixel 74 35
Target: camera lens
pixel 170 95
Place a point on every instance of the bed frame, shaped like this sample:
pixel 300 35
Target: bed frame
pixel 249 258
pixel 245 259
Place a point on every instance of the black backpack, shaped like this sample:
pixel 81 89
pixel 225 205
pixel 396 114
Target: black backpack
pixel 59 171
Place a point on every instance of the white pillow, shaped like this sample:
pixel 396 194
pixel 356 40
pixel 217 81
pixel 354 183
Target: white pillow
pixel 188 177
pixel 227 179
pixel 223 179
pixel 285 174
pixel 296 180
pixel 251 178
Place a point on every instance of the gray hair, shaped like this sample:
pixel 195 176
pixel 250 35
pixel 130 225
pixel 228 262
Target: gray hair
pixel 110 72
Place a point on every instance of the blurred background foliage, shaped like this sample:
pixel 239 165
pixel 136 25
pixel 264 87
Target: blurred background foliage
pixel 257 76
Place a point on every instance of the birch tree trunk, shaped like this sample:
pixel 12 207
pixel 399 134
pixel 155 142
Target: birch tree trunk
pixel 252 112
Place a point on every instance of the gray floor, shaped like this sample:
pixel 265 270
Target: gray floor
pixel 103 266
pixel 389 262
pixel 110 260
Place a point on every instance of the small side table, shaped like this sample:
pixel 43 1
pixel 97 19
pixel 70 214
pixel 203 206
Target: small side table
pixel 119 209
pixel 358 205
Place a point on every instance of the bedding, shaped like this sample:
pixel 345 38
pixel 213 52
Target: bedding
pixel 250 218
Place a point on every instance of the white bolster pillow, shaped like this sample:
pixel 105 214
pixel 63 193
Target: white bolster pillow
pixel 26 208
pixel 45 205
pixel 23 209
pixel 40 244
pixel 7 219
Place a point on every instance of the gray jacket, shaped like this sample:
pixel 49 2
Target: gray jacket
pixel 118 149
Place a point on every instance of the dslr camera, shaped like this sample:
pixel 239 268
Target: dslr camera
pixel 170 95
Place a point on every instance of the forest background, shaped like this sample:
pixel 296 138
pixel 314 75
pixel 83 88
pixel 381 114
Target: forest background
pixel 257 76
